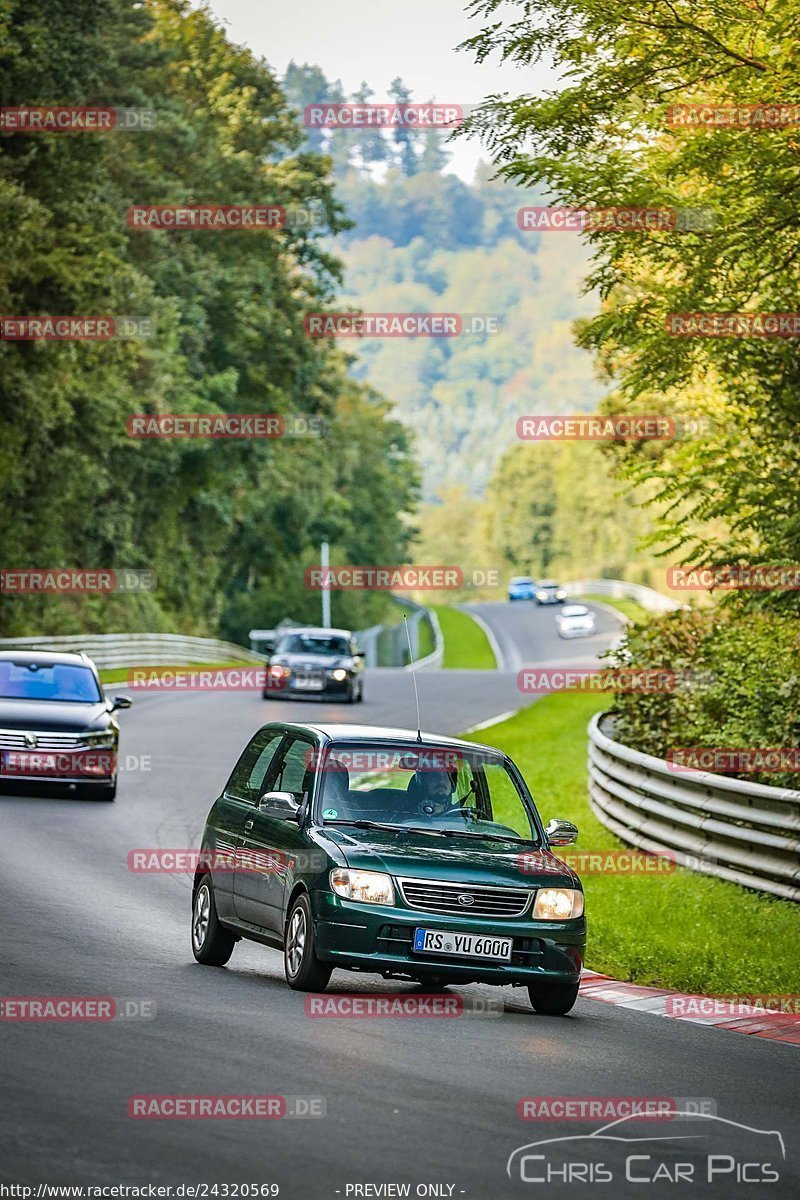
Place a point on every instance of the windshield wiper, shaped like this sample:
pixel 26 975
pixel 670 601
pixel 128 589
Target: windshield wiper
pixel 490 837
pixel 423 829
pixel 364 824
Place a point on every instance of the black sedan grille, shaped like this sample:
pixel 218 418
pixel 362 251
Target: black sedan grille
pixel 20 739
pixel 465 900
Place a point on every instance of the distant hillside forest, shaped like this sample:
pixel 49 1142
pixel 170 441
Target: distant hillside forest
pixel 422 240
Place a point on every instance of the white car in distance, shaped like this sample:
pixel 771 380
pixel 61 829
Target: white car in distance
pixel 575 620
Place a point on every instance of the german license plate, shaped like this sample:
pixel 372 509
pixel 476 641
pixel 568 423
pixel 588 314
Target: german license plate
pixel 461 945
pixel 309 683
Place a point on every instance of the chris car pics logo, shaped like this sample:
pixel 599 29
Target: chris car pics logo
pixel 699 1150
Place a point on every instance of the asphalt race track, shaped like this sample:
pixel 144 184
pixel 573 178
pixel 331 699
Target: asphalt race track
pixel 409 1101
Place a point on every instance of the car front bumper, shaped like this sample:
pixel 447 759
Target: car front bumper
pixel 331 687
pixel 377 938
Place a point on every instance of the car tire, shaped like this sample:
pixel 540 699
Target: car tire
pixel 360 696
pixel 350 697
pixel 553 999
pixel 212 943
pixel 304 971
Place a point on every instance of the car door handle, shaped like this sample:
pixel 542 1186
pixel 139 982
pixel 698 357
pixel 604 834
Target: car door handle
pixel 249 823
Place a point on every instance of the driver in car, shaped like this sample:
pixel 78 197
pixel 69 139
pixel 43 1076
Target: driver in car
pixel 435 789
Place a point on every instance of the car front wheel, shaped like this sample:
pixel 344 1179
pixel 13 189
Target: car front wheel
pixel 212 943
pixel 304 971
pixel 553 999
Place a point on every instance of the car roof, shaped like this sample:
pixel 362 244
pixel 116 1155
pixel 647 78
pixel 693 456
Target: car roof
pixel 334 733
pixel 548 583
pixel 48 658
pixel 521 579
pixel 315 629
pixel 574 610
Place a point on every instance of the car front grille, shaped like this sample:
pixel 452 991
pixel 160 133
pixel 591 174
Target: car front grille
pixel 14 739
pixel 451 898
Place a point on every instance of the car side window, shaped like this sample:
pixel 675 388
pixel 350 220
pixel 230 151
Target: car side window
pixel 249 774
pixel 288 772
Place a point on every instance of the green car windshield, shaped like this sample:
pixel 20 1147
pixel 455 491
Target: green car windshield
pixel 440 790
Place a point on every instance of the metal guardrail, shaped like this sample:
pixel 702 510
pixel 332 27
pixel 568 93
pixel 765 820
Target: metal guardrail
pixel 433 660
pixel 110 650
pixel 745 832
pixel 649 598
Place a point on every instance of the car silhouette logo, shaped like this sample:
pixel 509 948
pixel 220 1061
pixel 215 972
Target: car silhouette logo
pixel 466 899
pixel 31 741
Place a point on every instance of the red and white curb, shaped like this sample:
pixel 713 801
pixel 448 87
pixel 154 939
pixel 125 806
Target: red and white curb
pixel 775 1026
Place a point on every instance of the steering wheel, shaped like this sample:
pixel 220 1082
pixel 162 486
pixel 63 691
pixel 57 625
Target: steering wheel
pixel 469 814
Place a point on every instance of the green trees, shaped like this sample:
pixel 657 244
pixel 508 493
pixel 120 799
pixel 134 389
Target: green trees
pixel 617 134
pixel 607 138
pixel 227 525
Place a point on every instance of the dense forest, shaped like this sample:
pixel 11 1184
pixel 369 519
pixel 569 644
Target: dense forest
pixel 227 526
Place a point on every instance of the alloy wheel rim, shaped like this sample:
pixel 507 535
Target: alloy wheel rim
pixel 202 914
pixel 297 941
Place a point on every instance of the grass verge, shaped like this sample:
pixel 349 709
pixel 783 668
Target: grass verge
pixel 628 608
pixel 465 643
pixel 679 930
pixel 122 674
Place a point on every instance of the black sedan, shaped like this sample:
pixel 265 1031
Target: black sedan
pixel 310 661
pixel 56 725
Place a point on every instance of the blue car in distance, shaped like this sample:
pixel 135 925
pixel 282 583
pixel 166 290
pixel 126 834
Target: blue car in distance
pixel 521 587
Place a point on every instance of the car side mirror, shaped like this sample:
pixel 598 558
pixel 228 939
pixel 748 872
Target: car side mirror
pixel 561 833
pixel 120 702
pixel 279 804
pixel 358 652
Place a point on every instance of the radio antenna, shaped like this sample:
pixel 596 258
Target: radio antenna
pixel 413 676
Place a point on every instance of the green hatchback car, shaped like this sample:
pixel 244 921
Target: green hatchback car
pixel 380 850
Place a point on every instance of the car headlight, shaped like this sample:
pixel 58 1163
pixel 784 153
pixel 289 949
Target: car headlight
pixel 558 904
pixel 372 887
pixel 339 674
pixel 541 595
pixel 561 594
pixel 104 740
pixel 279 672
